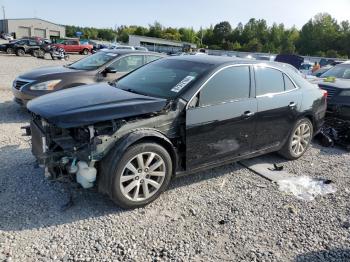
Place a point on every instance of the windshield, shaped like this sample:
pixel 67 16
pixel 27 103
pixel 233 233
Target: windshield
pixel 94 61
pixel 164 78
pixel 339 71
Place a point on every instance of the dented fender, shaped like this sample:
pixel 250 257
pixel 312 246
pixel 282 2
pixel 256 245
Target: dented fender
pixel 121 145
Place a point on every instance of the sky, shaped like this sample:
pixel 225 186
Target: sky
pixel 178 13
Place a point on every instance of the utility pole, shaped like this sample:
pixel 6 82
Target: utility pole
pixel 3 12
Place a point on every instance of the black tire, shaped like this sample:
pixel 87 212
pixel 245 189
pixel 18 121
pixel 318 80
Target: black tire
pixel 9 50
pixel 287 151
pixel 20 52
pixel 35 53
pixel 117 166
pixel 85 51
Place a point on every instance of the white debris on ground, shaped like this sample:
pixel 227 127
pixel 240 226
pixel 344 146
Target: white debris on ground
pixel 306 188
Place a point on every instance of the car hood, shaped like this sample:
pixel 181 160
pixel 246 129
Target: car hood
pixel 81 106
pixel 46 71
pixel 338 83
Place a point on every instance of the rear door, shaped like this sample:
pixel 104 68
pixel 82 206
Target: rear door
pixel 278 102
pixel 220 119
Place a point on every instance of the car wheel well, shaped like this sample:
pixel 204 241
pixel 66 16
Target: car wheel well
pixel 158 140
pixel 311 118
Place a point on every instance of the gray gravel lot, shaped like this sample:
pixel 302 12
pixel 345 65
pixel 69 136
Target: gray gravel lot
pixel 224 214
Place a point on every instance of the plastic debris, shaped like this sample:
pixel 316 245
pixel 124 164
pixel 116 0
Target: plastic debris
pixel 306 188
pixel 276 167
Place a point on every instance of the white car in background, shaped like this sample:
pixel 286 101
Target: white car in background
pixel 7 37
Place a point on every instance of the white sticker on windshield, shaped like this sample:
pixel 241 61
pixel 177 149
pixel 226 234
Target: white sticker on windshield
pixel 111 54
pixel 184 82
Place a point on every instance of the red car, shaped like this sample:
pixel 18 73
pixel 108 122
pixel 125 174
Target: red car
pixel 74 46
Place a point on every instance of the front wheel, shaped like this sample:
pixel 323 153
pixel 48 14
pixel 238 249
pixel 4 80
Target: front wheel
pixel 20 52
pixel 299 140
pixel 141 175
pixel 9 50
pixel 85 51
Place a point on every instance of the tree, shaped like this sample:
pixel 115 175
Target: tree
pixel 222 32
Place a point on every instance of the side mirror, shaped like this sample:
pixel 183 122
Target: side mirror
pixel 109 70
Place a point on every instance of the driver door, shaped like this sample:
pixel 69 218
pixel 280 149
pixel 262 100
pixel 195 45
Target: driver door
pixel 220 120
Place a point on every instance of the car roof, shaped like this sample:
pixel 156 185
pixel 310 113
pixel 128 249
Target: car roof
pixel 225 60
pixel 129 51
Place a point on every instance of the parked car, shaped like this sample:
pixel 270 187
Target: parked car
pixel 103 66
pixel 336 81
pixel 306 68
pixel 127 47
pixel 293 60
pixel 173 116
pixel 141 48
pixel 322 70
pixel 21 47
pixel 6 36
pixel 74 46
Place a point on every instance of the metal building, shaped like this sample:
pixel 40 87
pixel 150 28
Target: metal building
pixel 159 45
pixel 30 27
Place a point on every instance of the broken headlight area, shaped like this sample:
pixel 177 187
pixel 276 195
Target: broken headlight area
pixel 65 152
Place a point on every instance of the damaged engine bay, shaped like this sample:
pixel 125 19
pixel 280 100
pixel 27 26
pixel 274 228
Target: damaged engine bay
pixel 65 152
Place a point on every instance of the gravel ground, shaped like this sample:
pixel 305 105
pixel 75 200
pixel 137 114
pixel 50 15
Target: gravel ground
pixel 224 214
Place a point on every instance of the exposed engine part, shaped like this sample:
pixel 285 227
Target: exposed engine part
pixel 86 175
pixel 335 131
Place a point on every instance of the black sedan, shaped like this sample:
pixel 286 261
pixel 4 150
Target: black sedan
pixel 103 66
pixel 173 116
pixel 21 47
pixel 336 81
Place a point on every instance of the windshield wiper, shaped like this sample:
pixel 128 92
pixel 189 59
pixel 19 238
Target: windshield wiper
pixel 134 91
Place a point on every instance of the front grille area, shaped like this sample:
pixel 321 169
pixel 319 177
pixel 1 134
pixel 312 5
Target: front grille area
pixel 330 90
pixel 18 84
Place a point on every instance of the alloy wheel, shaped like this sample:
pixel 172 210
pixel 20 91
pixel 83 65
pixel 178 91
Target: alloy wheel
pixel 142 176
pixel 301 139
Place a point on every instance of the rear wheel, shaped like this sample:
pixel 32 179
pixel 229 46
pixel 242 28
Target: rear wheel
pixel 141 175
pixel 85 51
pixel 299 140
pixel 20 52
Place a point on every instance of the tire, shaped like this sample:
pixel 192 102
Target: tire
pixel 20 52
pixel 85 51
pixel 130 182
pixel 299 140
pixel 35 53
pixel 9 50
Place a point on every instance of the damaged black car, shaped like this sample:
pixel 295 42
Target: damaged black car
pixel 171 117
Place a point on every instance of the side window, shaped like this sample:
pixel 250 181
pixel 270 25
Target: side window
pixel 232 83
pixel 32 42
pixel 128 63
pixel 288 84
pixel 150 58
pixel 268 80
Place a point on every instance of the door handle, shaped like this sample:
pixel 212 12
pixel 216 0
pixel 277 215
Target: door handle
pixel 248 114
pixel 292 105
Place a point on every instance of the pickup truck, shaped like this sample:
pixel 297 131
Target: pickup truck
pixel 74 46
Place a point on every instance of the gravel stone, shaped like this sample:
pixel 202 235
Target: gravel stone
pixel 259 223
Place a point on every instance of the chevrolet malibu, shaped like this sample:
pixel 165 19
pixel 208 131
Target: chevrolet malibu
pixel 103 66
pixel 173 116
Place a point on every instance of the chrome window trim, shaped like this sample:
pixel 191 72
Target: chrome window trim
pixel 201 87
pixel 235 100
pixel 277 93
